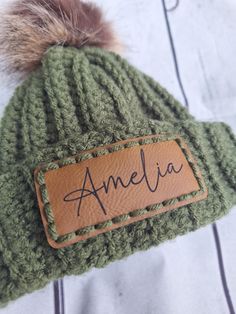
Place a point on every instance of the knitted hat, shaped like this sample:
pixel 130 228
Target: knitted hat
pixel 97 161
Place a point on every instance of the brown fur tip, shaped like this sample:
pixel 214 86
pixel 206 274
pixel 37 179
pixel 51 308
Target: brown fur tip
pixel 30 27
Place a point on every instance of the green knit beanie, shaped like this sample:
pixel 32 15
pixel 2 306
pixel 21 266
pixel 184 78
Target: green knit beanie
pixel 74 102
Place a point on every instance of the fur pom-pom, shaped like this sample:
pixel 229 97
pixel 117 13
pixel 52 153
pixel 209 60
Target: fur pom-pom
pixel 30 27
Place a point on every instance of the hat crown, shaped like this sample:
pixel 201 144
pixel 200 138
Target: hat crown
pixel 74 92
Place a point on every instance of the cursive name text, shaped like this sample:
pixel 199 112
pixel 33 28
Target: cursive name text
pixel 89 189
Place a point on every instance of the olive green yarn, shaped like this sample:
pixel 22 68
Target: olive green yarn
pixel 75 92
pixel 115 220
pixel 78 100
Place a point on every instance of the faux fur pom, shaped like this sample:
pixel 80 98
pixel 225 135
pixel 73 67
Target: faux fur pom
pixel 30 27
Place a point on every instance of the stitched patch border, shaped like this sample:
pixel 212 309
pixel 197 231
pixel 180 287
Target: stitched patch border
pixel 58 241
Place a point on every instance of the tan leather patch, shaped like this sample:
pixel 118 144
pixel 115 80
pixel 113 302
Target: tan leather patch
pixel 115 185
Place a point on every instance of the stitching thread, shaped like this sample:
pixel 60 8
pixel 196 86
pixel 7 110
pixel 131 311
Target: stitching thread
pixel 105 151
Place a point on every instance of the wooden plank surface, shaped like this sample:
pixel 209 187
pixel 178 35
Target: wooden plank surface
pixel 181 276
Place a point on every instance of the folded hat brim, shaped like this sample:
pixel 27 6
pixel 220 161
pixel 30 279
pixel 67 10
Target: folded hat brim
pixel 27 262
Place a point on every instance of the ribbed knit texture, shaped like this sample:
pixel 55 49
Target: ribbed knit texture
pixel 77 100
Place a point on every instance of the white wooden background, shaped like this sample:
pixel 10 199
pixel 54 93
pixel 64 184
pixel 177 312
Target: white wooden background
pixel 190 48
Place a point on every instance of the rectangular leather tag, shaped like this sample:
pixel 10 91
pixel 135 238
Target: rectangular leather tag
pixel 115 185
